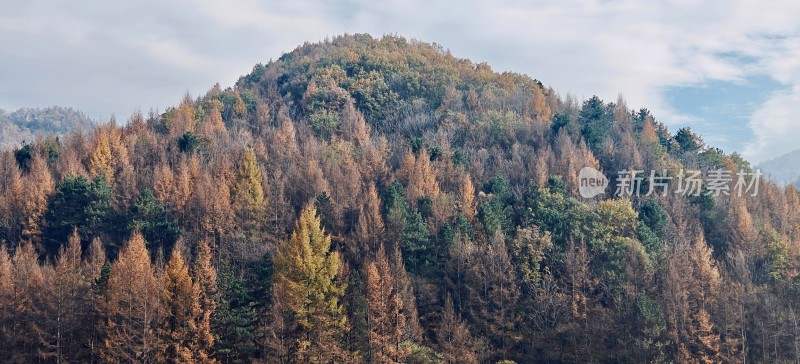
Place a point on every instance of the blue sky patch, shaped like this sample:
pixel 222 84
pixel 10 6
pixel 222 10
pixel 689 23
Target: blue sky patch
pixel 723 107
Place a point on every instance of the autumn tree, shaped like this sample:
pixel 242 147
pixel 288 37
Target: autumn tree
pixel 29 304
pixel 467 194
pixel 212 207
pixel 306 274
pixel 97 270
pixel 419 176
pixel 133 303
pixel 164 186
pixel 354 128
pixel 692 284
pixel 213 124
pixel 277 340
pixel 205 280
pixel 454 338
pixel 411 329
pixel 181 119
pixel 36 191
pixel 370 227
pixel 182 312
pixel 491 293
pixel 648 134
pixel 186 177
pixel 465 176
pixel 6 302
pixel 247 190
pixel 248 203
pixel 100 159
pixel 386 318
pixel 65 335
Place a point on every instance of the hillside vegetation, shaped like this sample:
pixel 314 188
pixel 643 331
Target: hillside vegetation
pixel 379 200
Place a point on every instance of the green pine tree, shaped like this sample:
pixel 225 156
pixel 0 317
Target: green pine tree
pixel 234 318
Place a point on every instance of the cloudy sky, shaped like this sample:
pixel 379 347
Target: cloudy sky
pixel 729 69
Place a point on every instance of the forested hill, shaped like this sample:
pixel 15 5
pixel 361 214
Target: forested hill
pixel 379 200
pixel 26 124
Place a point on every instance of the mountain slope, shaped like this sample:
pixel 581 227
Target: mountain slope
pixel 379 200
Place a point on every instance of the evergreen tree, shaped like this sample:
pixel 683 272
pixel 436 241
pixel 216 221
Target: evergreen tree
pixel 188 142
pixel 233 321
pixel 688 141
pixel 357 315
pixel 415 245
pixel 595 118
pixel 497 214
pixel 77 203
pixel 152 219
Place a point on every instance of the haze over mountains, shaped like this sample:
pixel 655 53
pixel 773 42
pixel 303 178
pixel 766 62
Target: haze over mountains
pixel 784 169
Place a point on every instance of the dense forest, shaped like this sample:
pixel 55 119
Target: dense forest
pixel 382 201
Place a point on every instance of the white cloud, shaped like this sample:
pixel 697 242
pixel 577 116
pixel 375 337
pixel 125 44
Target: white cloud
pixel 120 56
pixel 776 125
pixel 172 52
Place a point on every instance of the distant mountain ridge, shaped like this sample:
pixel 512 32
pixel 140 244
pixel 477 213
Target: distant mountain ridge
pixel 25 124
pixel 784 169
